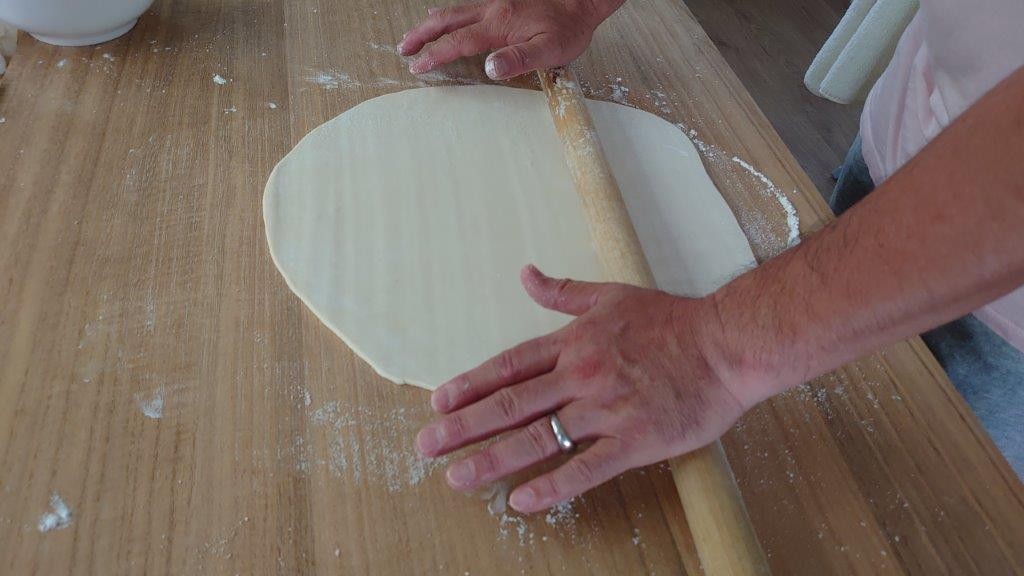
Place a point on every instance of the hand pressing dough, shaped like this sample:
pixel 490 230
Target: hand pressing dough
pixel 403 223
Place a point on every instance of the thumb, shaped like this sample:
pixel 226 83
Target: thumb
pixel 510 61
pixel 561 294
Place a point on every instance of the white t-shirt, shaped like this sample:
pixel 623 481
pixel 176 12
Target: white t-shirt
pixel 950 55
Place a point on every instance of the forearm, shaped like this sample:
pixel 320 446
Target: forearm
pixel 941 238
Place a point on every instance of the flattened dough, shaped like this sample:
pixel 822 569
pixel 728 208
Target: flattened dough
pixel 403 222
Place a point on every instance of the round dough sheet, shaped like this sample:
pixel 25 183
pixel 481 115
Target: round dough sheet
pixel 403 222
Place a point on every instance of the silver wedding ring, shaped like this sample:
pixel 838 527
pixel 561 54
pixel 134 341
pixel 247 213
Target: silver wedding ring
pixel 565 443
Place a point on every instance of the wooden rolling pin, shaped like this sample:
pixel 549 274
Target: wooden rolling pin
pixel 724 538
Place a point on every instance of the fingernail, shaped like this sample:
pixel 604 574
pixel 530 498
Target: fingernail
pixel 429 440
pixel 401 46
pixel 441 399
pixel 462 473
pixel 493 67
pixel 522 498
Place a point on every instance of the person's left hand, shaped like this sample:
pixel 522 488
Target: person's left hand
pixel 635 375
pixel 525 35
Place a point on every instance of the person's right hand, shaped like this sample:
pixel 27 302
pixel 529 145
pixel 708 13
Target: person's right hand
pixel 525 35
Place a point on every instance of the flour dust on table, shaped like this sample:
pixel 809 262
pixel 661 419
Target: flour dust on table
pixel 403 223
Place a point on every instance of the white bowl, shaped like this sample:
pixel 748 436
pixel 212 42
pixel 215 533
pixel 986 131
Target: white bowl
pixel 73 22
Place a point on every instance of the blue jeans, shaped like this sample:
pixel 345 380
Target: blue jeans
pixel 986 369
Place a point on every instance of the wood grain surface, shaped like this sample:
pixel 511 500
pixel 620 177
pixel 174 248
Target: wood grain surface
pixel 133 268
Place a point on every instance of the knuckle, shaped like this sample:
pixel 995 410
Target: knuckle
pixel 547 488
pixel 507 404
pixel 502 10
pixel 442 16
pixel 430 54
pixel 613 292
pixel 562 287
pixel 461 37
pixel 557 43
pixel 519 60
pixel 537 439
pixel 459 388
pixel 581 470
pixel 506 367
pixel 487 462
pixel 454 428
pixel 436 19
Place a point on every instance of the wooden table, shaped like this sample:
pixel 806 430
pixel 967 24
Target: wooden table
pixel 134 268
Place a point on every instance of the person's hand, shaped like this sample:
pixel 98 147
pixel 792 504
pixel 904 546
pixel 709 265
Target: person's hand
pixel 525 35
pixel 633 375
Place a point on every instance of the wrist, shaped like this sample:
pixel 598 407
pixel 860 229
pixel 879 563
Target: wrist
pixel 732 346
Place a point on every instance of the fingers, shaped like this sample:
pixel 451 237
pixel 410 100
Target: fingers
pixel 522 362
pixel 539 52
pixel 595 465
pixel 507 408
pixel 457 44
pixel 438 23
pixel 562 295
pixel 518 451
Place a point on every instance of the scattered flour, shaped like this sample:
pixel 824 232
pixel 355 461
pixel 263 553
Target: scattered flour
pixel 272 105
pixel 439 76
pixel 230 110
pixel 62 63
pixel 754 223
pixel 393 82
pixel 219 80
pixel 497 496
pixel 334 79
pixel 363 444
pixel 108 56
pixel 792 218
pixel 223 545
pixel 3 119
pixel 746 166
pixel 619 91
pixel 507 524
pixel 383 48
pixel 58 517
pixel 153 406
pixel 660 101
pixel 562 516
pixel 331 80
pixel 564 91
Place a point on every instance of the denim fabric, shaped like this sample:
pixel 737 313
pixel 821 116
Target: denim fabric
pixel 987 370
pixel 853 181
